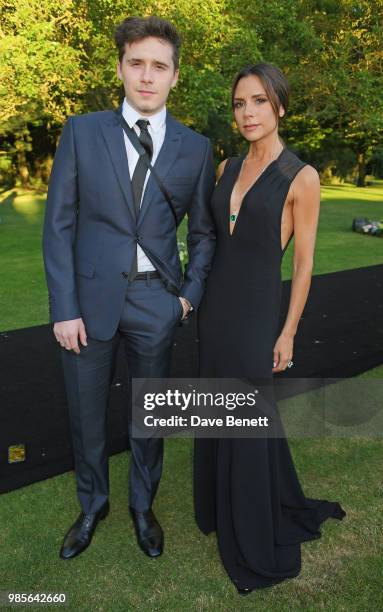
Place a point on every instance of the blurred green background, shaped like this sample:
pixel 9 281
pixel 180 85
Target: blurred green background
pixel 57 58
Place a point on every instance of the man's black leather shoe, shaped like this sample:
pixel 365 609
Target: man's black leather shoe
pixel 150 536
pixel 80 534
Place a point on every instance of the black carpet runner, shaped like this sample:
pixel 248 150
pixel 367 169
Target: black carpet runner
pixel 340 335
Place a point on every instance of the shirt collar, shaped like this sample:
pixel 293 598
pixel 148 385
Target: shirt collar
pixel 131 116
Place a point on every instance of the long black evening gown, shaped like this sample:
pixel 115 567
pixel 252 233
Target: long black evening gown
pixel 247 490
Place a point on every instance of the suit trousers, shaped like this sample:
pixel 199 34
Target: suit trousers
pixel 147 325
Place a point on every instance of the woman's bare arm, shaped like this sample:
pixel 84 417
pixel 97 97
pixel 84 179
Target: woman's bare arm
pixel 306 204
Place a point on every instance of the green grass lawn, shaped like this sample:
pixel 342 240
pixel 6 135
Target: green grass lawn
pixel 22 277
pixel 342 571
pixel 337 247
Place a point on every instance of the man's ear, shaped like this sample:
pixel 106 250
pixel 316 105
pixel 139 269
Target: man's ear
pixel 282 111
pixel 175 78
pixel 118 71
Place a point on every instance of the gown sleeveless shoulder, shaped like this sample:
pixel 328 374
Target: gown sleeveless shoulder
pixel 247 490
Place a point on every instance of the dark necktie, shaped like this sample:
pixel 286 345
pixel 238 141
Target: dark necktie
pixel 139 174
pixel 138 178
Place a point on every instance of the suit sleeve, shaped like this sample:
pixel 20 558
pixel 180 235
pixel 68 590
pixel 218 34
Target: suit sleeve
pixel 201 232
pixel 60 229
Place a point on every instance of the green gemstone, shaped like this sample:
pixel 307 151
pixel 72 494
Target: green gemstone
pixel 233 217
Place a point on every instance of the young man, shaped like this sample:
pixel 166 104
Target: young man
pixel 112 264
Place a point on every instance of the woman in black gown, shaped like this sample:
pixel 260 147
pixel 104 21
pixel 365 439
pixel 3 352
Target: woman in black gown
pixel 247 490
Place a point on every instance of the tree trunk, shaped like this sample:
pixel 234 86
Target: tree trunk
pixel 21 145
pixel 361 180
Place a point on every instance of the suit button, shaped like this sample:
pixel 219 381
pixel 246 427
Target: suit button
pixel 125 274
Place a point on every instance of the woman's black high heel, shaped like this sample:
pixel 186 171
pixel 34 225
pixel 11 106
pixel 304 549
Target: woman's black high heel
pixel 244 592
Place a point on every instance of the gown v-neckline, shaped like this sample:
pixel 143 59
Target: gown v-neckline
pixel 263 173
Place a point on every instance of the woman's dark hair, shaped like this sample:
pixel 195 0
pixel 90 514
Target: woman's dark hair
pixel 136 28
pixel 273 80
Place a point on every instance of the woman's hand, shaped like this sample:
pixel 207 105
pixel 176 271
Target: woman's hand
pixel 283 352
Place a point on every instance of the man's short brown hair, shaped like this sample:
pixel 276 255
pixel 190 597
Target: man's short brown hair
pixel 136 28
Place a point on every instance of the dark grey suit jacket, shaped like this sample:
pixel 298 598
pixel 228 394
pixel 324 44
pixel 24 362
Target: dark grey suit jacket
pixel 90 230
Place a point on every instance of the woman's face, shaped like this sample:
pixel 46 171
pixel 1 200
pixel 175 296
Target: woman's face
pixel 253 112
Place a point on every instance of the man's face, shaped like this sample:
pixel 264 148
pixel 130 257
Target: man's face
pixel 147 71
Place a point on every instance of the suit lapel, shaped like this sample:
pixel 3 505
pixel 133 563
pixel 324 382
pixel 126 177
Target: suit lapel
pixel 114 138
pixel 164 162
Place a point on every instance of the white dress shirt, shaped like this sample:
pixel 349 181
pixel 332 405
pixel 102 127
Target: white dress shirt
pixel 156 128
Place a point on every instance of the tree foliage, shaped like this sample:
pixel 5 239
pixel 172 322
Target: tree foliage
pixel 57 58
